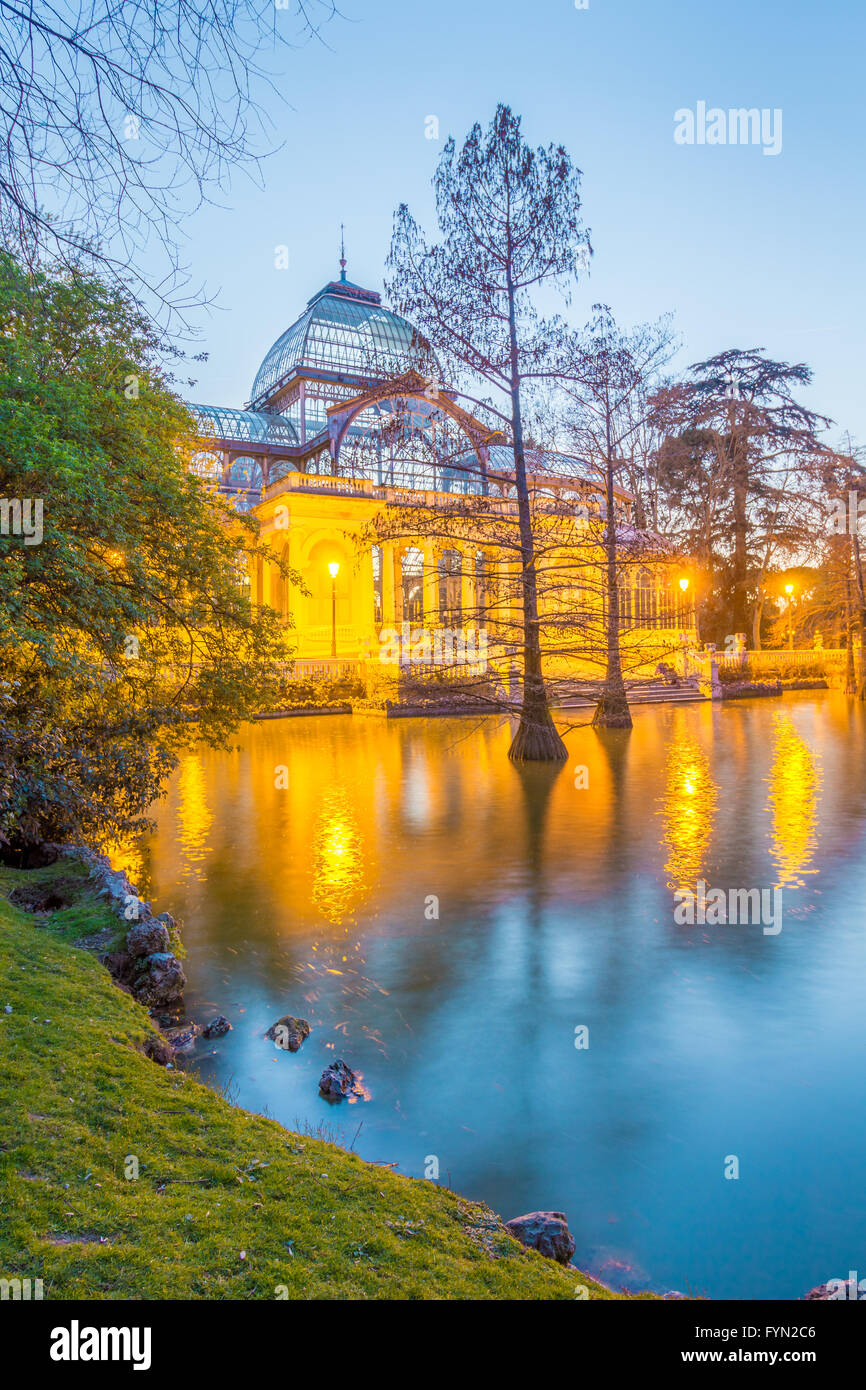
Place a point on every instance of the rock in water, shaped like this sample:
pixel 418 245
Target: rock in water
pixel 183 1035
pixel 836 1289
pixel 147 938
pixel 161 980
pixel 544 1231
pixel 337 1080
pixel 289 1032
pixel 217 1027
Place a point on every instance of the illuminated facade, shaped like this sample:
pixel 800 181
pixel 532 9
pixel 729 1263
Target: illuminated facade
pixel 346 419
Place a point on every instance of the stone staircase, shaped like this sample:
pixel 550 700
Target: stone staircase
pixel 648 692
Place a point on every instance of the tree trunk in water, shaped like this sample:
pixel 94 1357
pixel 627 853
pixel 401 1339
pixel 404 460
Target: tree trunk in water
pixel 612 711
pixel 850 677
pixel 861 603
pixel 537 738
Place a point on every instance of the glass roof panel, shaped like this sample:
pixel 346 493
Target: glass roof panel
pixel 246 426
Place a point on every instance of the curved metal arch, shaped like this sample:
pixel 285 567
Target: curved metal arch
pixel 412 387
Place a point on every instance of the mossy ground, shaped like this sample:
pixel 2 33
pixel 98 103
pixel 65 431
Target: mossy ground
pixel 227 1204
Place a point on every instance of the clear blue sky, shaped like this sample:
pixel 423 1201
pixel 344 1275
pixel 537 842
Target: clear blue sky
pixel 746 249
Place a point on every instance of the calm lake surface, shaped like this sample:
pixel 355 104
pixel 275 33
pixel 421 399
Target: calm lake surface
pixel 555 911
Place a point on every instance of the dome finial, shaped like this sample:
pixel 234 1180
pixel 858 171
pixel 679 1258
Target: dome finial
pixel 342 254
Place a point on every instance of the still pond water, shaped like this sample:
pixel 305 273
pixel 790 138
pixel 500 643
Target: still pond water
pixel 555 911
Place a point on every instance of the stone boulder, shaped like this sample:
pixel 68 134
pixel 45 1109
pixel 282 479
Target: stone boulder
pixel 217 1027
pixel 148 938
pixel 159 1050
pixel 338 1081
pixel 544 1231
pixel 161 980
pixel 289 1032
pixel 121 966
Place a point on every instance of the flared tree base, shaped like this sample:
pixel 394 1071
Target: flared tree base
pixel 612 712
pixel 537 740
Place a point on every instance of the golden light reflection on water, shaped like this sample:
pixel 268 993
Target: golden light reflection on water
pixel 194 818
pixel 795 782
pixel 128 856
pixel 339 882
pixel 689 810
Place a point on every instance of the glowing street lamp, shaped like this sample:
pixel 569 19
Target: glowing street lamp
pixel 684 583
pixel 333 570
pixel 789 590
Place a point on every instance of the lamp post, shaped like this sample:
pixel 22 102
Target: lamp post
pixel 789 590
pixel 333 569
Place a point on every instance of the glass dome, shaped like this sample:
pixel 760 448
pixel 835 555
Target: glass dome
pixel 347 331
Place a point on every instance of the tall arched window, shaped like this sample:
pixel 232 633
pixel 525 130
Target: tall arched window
pixel 666 604
pixel 450 583
pixel 645 600
pixel 412 575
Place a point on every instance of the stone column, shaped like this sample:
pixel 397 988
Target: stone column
pixel 467 588
pixel 391 594
pixel 431 584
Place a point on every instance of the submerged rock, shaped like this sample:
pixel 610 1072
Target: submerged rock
pixel 147 938
pixel 544 1231
pixel 836 1289
pixel 161 980
pixel 183 1035
pixel 289 1032
pixel 217 1027
pixel 338 1081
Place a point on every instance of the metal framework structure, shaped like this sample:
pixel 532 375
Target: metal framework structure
pixel 350 390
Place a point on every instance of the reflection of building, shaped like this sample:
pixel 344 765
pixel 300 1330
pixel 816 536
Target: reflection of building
pixel 346 418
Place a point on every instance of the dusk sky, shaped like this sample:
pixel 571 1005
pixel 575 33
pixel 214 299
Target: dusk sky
pixel 746 249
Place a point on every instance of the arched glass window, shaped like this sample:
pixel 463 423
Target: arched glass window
pixel 412 574
pixel 377 584
pixel 246 474
pixel 645 600
pixel 450 584
pixel 245 483
pixel 207 466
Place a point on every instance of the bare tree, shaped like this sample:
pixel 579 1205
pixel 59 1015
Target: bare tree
pixel 119 117
pixel 609 386
pixel 510 224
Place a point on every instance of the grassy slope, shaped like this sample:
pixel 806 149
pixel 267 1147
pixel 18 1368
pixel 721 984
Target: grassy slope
pixel 77 1097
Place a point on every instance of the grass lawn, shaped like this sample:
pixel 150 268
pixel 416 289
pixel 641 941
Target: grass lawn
pixel 226 1204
